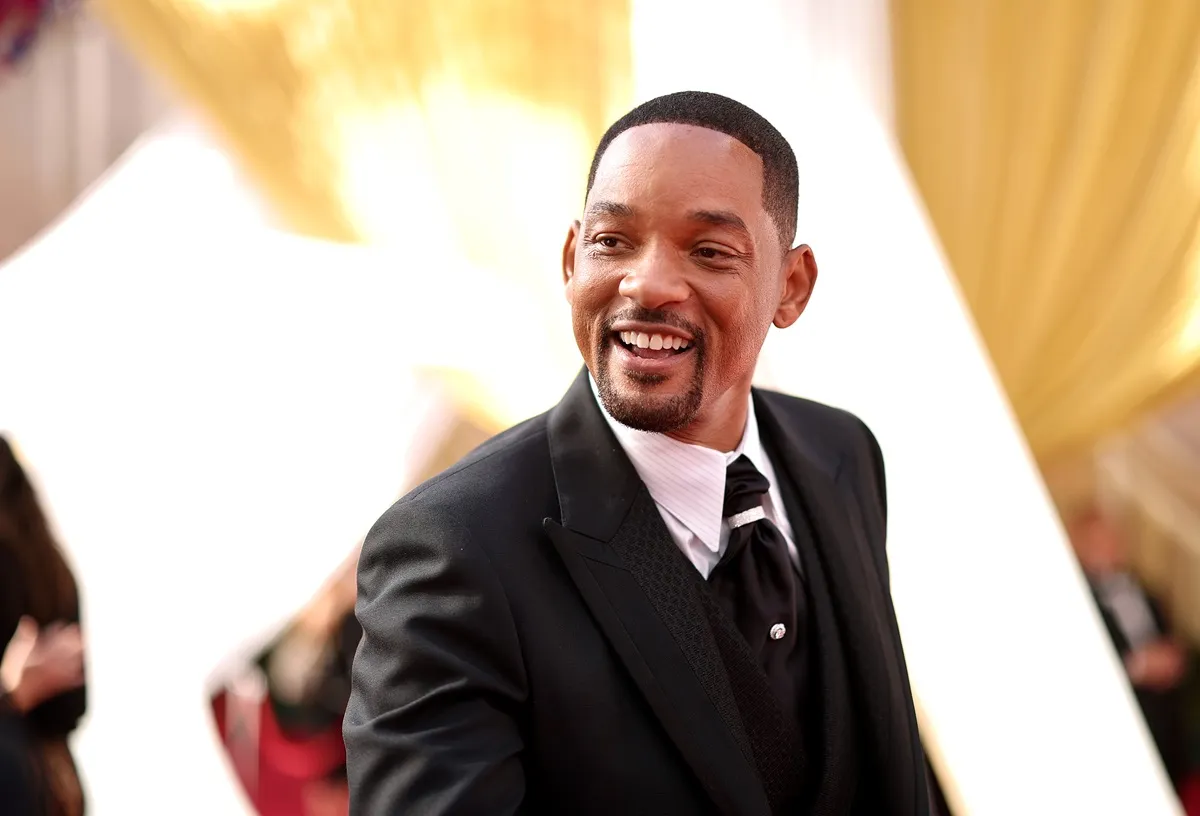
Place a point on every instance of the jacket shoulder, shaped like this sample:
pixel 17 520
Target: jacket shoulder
pixel 820 421
pixel 486 484
pixel 839 436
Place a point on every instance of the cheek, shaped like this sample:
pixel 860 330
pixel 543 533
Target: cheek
pixel 735 319
pixel 737 329
pixel 591 290
pixel 588 295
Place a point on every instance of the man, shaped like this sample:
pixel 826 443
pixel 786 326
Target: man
pixel 669 594
pixel 1155 661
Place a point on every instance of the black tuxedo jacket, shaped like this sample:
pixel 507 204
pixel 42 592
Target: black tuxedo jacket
pixel 532 644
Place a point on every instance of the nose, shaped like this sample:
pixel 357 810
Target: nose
pixel 655 280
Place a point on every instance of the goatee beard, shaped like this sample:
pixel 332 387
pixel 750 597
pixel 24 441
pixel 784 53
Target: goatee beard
pixel 648 413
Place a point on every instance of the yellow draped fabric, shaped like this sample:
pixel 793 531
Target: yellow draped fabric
pixel 299 85
pixel 466 125
pixel 1057 147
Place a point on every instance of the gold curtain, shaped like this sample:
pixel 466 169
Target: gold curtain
pixel 296 85
pixel 1057 148
pixel 463 125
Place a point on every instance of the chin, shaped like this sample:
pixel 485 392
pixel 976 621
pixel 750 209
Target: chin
pixel 642 381
pixel 649 402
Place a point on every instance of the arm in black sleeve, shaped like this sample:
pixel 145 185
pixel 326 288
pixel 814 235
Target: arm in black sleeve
pixel 60 715
pixel 12 594
pixel 431 724
pixel 878 475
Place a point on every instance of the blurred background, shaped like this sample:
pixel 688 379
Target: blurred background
pixel 266 264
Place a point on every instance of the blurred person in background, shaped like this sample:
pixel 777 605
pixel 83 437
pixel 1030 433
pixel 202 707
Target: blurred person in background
pixel 279 713
pixel 308 683
pixel 43 696
pixel 1154 660
pixel 290 758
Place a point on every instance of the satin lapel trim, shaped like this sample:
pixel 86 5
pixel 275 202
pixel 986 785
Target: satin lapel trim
pixel 868 634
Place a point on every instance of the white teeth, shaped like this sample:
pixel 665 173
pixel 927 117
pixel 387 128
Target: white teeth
pixel 654 342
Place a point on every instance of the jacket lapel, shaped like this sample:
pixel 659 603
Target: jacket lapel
pixel 644 596
pixel 866 632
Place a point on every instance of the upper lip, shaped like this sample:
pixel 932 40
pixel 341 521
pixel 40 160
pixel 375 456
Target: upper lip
pixel 650 328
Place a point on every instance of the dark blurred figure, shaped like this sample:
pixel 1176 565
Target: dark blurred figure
pixel 308 680
pixel 43 695
pixel 280 716
pixel 1154 660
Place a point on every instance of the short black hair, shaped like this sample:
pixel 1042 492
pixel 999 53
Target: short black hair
pixel 781 179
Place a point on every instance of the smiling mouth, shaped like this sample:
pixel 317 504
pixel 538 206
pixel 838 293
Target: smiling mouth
pixel 656 346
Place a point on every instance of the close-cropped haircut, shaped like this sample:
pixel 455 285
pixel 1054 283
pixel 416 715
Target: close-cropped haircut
pixel 781 179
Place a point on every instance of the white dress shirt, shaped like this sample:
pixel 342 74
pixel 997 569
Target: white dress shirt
pixel 1125 600
pixel 687 482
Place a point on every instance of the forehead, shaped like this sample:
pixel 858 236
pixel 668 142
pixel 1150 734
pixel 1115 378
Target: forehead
pixel 671 166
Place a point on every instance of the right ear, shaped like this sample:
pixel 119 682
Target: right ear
pixel 568 260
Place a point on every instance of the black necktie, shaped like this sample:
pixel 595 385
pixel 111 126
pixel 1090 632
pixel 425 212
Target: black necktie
pixel 756 583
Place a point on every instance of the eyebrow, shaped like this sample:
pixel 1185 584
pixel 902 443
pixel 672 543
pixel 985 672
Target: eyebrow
pixel 717 218
pixel 721 218
pixel 609 208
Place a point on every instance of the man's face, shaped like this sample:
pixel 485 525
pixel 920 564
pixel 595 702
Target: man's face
pixel 675 275
pixel 1100 545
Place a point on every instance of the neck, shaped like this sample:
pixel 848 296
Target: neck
pixel 722 426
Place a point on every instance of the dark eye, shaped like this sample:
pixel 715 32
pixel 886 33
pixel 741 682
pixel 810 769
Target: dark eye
pixel 606 246
pixel 711 253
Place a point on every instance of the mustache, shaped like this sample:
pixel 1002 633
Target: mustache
pixel 640 315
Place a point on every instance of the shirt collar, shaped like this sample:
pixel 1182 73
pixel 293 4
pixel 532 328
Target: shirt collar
pixel 688 481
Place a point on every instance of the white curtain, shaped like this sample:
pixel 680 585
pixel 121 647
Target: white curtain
pixel 216 413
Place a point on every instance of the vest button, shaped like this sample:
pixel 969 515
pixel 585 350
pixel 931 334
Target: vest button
pixel 778 631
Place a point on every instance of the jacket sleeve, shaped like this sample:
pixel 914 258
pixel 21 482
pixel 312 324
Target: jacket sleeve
pixel 878 473
pixel 873 495
pixel 58 716
pixel 431 725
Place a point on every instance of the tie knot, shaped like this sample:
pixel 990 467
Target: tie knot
pixel 744 487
